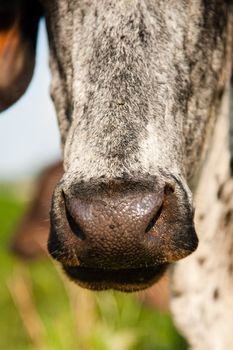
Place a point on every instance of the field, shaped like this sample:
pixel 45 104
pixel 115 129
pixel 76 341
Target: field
pixel 41 309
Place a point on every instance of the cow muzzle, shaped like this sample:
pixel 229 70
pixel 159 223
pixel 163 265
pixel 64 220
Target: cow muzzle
pixel 121 234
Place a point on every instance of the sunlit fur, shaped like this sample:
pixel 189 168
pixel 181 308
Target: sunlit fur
pixel 136 84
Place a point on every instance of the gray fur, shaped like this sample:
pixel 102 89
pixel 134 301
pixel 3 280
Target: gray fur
pixel 136 84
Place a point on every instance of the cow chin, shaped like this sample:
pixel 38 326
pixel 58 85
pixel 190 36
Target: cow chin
pixel 124 280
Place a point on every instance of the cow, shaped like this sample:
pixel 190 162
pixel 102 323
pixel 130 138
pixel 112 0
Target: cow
pixel 137 87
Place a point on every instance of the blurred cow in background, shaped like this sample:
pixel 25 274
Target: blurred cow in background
pixel 31 235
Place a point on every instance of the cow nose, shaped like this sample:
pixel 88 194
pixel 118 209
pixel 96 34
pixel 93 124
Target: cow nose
pixel 121 234
pixel 113 216
pixel 114 229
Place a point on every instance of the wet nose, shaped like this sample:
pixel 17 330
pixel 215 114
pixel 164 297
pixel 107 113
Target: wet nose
pixel 115 228
pixel 120 234
pixel 113 216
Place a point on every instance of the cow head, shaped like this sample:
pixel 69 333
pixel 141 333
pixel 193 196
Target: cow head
pixel 137 86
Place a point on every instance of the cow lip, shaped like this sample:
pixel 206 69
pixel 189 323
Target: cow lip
pixel 125 280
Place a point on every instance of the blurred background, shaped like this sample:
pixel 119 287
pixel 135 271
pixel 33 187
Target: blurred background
pixel 40 308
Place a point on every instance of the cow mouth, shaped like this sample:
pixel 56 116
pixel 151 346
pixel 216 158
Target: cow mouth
pixel 125 280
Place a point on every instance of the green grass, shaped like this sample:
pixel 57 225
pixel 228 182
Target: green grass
pixel 40 309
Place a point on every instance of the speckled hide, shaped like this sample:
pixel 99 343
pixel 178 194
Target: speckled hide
pixel 202 284
pixel 159 67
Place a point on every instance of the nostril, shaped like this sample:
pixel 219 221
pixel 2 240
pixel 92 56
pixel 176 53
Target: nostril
pixel 154 220
pixel 74 226
pixel 169 189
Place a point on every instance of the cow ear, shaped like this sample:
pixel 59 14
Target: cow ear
pixel 18 33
